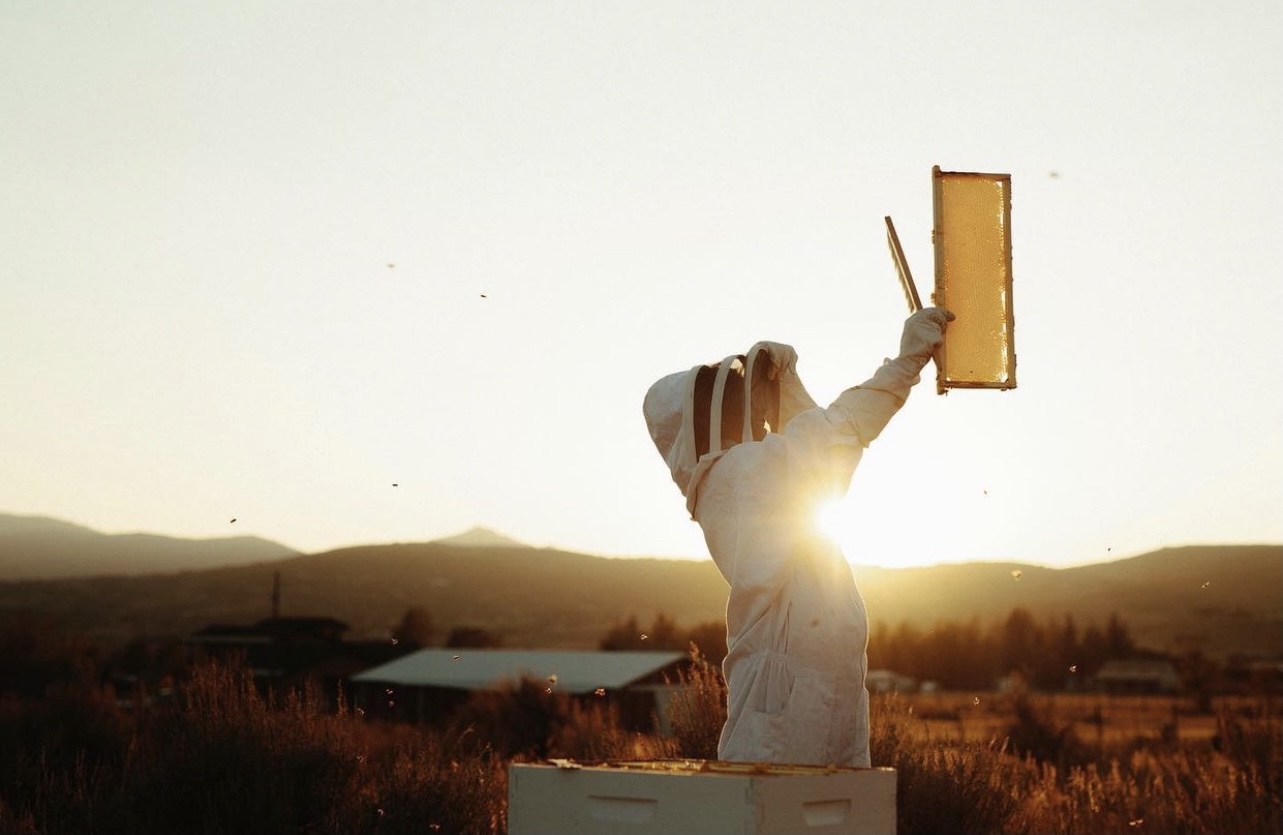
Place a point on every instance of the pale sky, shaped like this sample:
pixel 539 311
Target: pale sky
pixel 266 260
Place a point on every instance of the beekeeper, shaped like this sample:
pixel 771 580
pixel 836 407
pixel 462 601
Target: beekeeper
pixel 755 458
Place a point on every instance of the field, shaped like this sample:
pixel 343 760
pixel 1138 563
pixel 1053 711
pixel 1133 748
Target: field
pixel 1030 763
pixel 219 756
pixel 1100 719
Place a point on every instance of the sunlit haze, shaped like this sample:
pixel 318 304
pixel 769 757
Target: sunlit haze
pixel 356 273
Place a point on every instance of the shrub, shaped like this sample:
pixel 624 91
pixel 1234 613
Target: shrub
pixel 942 786
pixel 593 733
pixel 427 782
pixel 698 709
pixel 1034 732
pixel 519 720
pixel 223 760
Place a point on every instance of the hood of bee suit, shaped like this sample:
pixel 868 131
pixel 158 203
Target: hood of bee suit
pixel 695 416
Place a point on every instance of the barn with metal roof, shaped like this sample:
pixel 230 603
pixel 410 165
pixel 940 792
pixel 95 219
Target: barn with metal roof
pixel 428 683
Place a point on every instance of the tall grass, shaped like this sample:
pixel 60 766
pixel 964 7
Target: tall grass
pixel 1229 786
pixel 942 786
pixel 224 759
pixel 221 757
pixel 698 708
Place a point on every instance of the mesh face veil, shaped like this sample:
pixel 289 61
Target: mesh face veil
pixel 710 409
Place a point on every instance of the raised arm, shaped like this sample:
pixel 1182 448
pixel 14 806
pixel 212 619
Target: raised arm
pixel 868 407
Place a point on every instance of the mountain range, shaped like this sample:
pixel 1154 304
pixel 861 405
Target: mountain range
pixel 1221 599
pixel 38 547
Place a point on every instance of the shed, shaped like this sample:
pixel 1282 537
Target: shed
pixel 285 652
pixel 889 681
pixel 429 682
pixel 1138 675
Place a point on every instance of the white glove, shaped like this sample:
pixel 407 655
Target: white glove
pixel 923 333
pixel 783 358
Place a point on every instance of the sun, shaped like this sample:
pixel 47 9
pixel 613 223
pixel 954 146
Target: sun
pixel 831 521
pixel 866 537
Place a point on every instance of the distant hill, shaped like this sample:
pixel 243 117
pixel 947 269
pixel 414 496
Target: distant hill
pixel 38 547
pixel 480 538
pixel 1220 598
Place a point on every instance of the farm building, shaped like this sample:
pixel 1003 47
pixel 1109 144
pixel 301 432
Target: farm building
pixel 888 681
pixel 284 652
pixel 1138 675
pixel 428 684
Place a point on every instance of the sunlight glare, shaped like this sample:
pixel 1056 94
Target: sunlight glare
pixel 869 538
pixel 829 518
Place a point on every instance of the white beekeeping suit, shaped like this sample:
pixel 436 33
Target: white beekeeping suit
pixel 755 457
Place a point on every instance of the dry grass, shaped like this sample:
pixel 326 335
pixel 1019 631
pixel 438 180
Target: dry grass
pixel 1032 773
pixel 223 758
pixel 698 709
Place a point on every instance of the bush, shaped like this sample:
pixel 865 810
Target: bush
pixel 593 733
pixel 427 783
pixel 698 709
pixel 1036 733
pixel 942 786
pixel 517 721
pixel 223 759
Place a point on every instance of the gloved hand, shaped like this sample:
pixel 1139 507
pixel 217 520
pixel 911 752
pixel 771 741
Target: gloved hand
pixel 923 333
pixel 783 358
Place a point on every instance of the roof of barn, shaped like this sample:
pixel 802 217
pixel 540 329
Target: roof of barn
pixel 481 669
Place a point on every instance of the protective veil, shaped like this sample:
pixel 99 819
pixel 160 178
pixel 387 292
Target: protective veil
pixel 755 457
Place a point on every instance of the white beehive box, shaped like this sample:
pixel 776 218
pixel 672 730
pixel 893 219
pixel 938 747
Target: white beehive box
pixel 698 796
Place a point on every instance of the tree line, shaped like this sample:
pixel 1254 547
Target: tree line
pixel 1051 654
pixel 1054 654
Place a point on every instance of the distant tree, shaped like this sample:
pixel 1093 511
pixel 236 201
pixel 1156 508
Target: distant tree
pixel 35 652
pixel 1118 638
pixel 899 650
pixel 472 637
pixel 622 635
pixel 880 651
pixel 710 638
pixel 663 632
pixel 958 656
pixel 1093 650
pixel 962 656
pixel 1019 642
pixel 1066 650
pixel 416 627
pixel 1201 676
